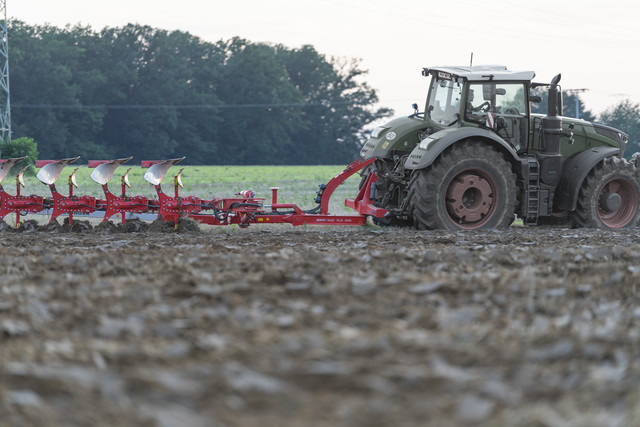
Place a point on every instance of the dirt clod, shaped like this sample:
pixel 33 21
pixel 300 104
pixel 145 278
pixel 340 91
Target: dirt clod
pixel 184 225
pixel 28 225
pixel 5 227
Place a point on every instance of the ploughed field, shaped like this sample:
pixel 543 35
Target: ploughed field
pixel 283 326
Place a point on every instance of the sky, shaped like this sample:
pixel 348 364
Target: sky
pixel 594 44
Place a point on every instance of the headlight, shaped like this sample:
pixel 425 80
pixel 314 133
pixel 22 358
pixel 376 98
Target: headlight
pixel 377 131
pixel 424 144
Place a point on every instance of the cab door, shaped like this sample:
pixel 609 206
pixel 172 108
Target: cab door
pixel 500 106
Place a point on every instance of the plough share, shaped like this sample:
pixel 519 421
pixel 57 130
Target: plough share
pixel 243 210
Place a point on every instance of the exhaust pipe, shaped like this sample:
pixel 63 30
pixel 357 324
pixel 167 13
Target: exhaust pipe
pixel 554 103
pixel 552 123
pixel 550 157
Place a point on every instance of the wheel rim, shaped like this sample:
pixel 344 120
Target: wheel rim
pixel 471 199
pixel 628 203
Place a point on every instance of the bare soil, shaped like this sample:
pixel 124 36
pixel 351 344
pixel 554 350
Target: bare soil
pixel 282 326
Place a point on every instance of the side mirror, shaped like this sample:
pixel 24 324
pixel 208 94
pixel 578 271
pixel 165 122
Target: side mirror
pixel 535 98
pixel 415 107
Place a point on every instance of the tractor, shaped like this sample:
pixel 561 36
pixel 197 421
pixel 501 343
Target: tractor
pixel 478 158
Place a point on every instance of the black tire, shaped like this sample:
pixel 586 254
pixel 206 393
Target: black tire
pixel 383 187
pixel 609 196
pixel 470 186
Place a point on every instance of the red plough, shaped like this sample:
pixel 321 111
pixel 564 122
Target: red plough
pixel 60 204
pixel 17 204
pixel 117 205
pixel 243 210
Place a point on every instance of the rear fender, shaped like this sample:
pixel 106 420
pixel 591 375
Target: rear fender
pixel 421 158
pixel 575 171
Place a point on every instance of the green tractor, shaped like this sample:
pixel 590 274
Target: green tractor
pixel 477 158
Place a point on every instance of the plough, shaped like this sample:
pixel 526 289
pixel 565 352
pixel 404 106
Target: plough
pixel 243 210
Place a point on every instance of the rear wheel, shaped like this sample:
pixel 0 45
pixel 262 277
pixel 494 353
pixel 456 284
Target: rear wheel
pixel 609 196
pixel 470 186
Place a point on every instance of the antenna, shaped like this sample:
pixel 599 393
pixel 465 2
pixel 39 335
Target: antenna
pixel 471 61
pixel 5 99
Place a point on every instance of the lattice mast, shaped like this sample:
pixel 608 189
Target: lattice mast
pixel 5 99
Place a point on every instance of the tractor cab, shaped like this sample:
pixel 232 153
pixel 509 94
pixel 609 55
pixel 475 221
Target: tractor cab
pixel 491 98
pixel 486 97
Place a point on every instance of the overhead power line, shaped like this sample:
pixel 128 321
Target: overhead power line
pixel 179 106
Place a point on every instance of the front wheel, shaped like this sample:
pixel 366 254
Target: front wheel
pixel 609 196
pixel 470 186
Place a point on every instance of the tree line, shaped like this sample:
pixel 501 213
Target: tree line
pixel 150 93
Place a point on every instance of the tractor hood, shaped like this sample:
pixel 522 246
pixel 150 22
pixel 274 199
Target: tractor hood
pixel 588 134
pixel 400 134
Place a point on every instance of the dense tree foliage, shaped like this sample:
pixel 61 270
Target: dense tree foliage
pixel 151 93
pixel 626 117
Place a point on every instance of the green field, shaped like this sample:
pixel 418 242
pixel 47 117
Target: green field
pixel 297 184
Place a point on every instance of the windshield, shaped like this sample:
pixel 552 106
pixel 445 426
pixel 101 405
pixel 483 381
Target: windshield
pixel 444 102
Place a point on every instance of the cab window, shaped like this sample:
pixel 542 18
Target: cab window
pixel 444 102
pixel 498 98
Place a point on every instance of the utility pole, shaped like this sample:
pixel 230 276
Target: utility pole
pixel 575 93
pixel 5 99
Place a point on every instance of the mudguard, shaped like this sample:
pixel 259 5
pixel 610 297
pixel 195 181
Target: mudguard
pixel 421 158
pixel 574 172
